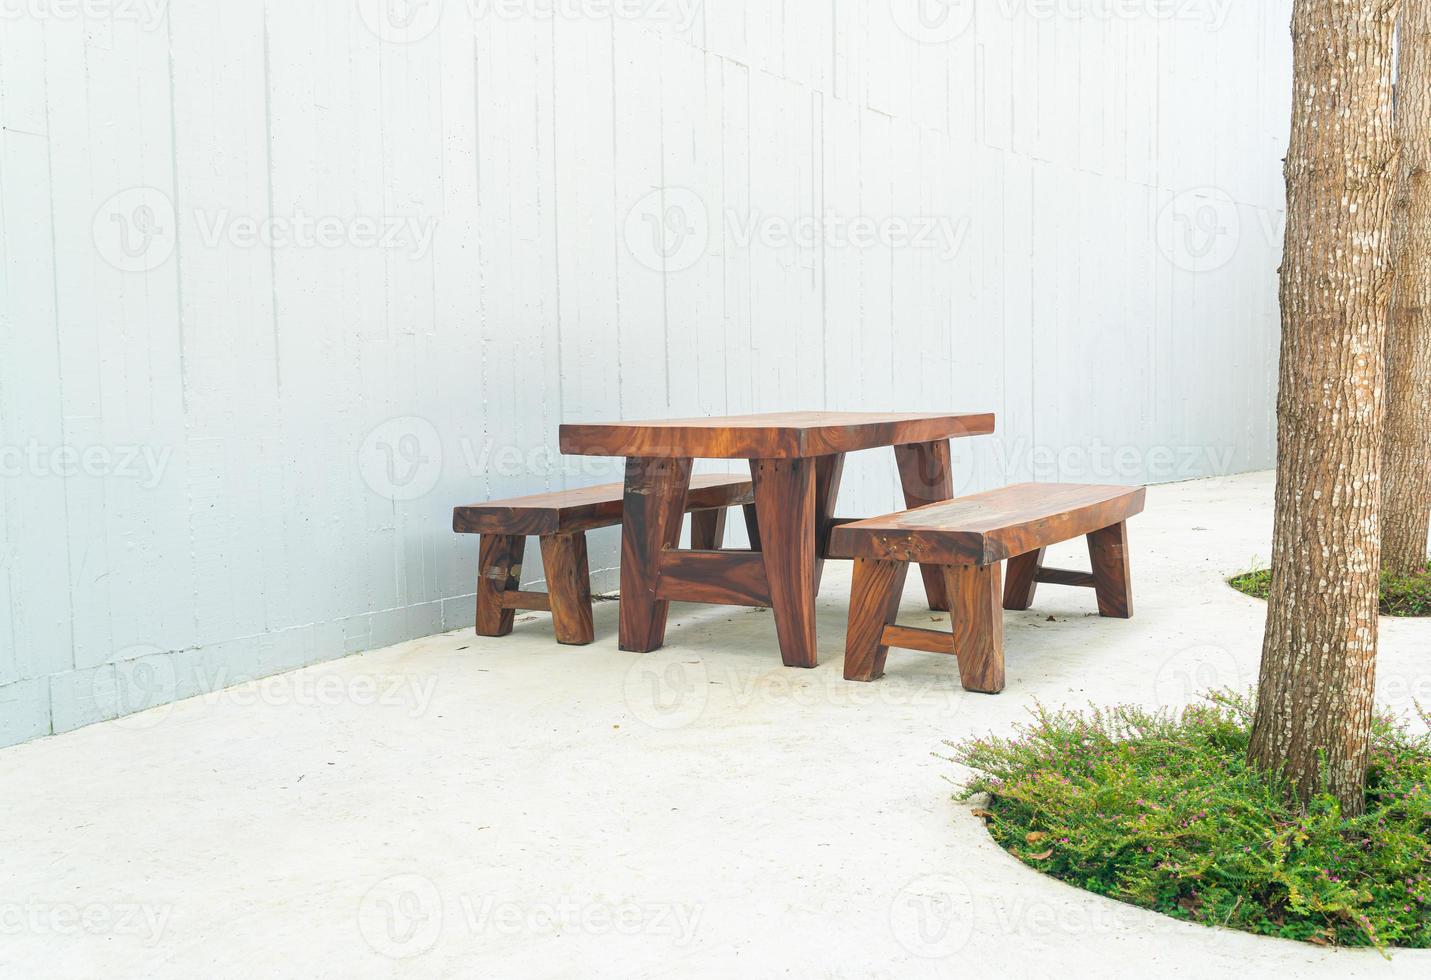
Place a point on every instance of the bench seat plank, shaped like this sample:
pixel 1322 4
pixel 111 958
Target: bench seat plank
pixel 988 527
pixel 584 508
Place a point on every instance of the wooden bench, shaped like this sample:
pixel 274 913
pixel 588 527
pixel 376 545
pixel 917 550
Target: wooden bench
pixel 969 537
pixel 561 521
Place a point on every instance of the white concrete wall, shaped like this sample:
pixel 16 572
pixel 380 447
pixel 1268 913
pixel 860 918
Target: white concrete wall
pixel 224 458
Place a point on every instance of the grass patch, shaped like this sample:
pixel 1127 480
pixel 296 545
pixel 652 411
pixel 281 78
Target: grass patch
pixel 1401 595
pixel 1161 810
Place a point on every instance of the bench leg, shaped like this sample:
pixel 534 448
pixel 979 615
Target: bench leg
pixel 927 476
pixel 707 530
pixel 829 470
pixel 978 621
pixel 499 570
pixel 1108 550
pixel 1022 580
pixel 568 587
pixel 752 527
pixel 874 604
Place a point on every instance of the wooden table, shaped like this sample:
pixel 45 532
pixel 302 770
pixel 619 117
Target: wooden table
pixel 796 459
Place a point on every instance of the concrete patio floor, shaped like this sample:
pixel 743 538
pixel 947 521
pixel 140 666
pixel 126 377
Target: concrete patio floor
pixel 456 806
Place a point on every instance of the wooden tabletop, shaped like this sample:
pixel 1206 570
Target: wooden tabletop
pixel 778 435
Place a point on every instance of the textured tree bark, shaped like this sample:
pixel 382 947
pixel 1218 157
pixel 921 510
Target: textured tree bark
pixel 1315 693
pixel 1406 454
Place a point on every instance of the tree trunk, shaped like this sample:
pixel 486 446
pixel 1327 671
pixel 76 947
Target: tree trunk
pixel 1319 653
pixel 1406 454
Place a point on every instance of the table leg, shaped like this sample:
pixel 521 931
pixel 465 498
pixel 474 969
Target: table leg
pixel 785 505
pixel 925 472
pixel 651 521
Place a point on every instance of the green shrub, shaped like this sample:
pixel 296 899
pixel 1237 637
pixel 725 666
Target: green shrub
pixel 1161 810
pixel 1401 595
